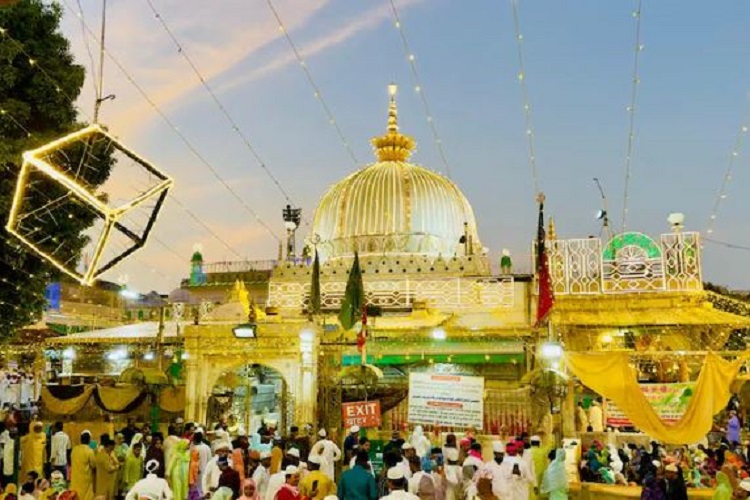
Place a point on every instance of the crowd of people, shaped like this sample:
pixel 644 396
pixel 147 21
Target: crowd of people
pixel 191 463
pixel 224 463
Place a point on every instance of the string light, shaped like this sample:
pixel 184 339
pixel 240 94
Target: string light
pixel 34 63
pixel 316 90
pixel 530 136
pixel 739 141
pixel 635 83
pixel 88 48
pixel 4 113
pixel 419 88
pixel 111 215
pixel 190 213
pixel 169 279
pixel 727 245
pixel 180 135
pixel 219 104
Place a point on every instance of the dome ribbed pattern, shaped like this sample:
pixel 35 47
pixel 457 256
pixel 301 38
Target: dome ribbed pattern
pixel 394 207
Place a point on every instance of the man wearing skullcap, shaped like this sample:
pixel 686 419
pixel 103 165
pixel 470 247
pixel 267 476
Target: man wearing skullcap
pixel 107 466
pixel 229 477
pixel 261 474
pixel 151 487
pixel 453 474
pixel 397 486
pixel 329 453
pixel 316 485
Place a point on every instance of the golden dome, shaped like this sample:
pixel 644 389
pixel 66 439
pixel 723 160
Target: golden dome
pixel 392 206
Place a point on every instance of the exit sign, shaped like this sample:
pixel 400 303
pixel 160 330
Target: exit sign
pixel 361 413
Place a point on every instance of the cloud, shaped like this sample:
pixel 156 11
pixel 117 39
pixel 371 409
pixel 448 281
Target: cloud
pixel 144 49
pixel 367 21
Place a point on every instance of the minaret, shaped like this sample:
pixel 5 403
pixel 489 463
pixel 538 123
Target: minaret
pixel 197 276
pixel 393 146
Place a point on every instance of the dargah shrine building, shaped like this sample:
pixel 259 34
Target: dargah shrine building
pixel 249 344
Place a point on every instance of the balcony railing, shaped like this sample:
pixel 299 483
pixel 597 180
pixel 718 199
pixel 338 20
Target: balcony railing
pixel 440 293
pixel 630 262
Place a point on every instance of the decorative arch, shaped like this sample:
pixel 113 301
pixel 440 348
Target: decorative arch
pixel 631 239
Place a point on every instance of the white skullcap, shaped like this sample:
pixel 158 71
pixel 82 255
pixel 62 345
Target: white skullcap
pixel 322 433
pixel 241 432
pixel 179 420
pixel 407 446
pixel 354 429
pixel 265 454
pixel 698 460
pixel 745 484
pixel 86 432
pixel 291 470
pixel 395 473
pixel 451 454
pixel 293 452
pixel 331 497
pixel 498 447
pixel 535 439
pixel 152 465
pixel 656 463
pixel 314 459
pixel 199 430
pixel 671 468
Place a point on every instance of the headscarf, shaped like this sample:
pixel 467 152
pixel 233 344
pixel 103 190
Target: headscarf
pixel 222 493
pixel 249 482
pixel 137 438
pixel 555 478
pixel 57 480
pixel 723 487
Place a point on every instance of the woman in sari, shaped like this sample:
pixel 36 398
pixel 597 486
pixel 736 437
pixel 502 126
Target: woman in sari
pixel 178 469
pixel 723 487
pixel 555 479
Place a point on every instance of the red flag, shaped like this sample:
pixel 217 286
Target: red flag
pixel 362 335
pixel 546 298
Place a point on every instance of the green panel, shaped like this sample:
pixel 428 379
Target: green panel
pixel 461 359
pixel 635 239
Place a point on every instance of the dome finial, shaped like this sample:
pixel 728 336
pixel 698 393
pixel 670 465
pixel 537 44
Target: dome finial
pixel 393 146
pixel 392 109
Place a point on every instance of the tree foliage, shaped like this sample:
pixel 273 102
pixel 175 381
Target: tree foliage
pixel 39 82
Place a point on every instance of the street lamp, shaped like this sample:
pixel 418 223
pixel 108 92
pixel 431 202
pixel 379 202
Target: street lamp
pixel 551 352
pixel 245 331
pixel 292 217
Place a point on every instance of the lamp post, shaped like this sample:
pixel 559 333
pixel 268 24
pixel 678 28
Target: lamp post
pixel 292 217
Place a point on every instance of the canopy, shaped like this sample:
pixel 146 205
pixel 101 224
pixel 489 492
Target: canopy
pixel 611 375
pixel 126 334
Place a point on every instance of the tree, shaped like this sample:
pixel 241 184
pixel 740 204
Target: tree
pixel 39 82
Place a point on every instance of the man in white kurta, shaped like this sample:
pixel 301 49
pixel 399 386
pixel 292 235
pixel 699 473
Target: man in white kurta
pixel 518 478
pixel 497 470
pixel 151 487
pixel 328 452
pixel 453 475
pixel 261 474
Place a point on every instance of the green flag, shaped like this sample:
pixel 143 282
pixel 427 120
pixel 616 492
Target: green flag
pixel 315 286
pixel 354 297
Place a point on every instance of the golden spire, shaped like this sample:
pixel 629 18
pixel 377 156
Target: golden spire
pixel 551 232
pixel 393 146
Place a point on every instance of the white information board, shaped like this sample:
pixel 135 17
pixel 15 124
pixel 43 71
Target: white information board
pixel 446 400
